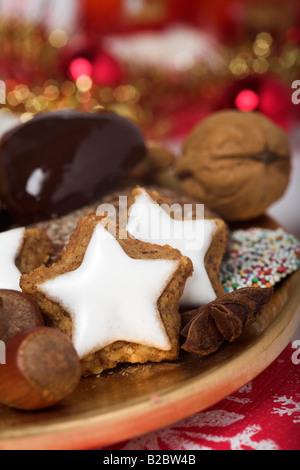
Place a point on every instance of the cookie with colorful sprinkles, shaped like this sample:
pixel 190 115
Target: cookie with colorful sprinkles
pixel 259 258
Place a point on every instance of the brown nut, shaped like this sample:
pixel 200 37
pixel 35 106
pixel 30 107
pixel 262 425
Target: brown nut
pixel 159 156
pixel 237 163
pixel 17 313
pixel 41 369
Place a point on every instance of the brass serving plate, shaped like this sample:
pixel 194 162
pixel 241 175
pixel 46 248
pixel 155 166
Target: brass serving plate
pixel 133 400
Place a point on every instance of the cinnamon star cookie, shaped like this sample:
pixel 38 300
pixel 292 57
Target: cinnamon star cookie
pixel 202 240
pixel 114 296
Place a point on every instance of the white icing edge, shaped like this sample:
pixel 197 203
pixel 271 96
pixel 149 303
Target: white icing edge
pixel 10 245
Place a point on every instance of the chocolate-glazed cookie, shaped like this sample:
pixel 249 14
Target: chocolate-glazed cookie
pixel 60 161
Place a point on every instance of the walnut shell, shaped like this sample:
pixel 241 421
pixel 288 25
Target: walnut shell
pixel 237 163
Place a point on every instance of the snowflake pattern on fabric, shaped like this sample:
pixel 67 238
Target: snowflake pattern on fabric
pixel 289 407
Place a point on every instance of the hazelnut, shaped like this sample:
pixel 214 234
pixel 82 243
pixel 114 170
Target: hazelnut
pixel 17 313
pixel 237 163
pixel 42 368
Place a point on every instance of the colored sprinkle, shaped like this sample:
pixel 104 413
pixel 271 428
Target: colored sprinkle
pixel 259 257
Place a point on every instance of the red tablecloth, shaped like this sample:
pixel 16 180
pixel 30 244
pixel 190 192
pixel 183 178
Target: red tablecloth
pixel 263 415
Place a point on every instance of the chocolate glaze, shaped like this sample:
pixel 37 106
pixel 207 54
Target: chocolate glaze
pixel 60 161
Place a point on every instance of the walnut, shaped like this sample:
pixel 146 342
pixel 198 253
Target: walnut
pixel 237 163
pixel 206 328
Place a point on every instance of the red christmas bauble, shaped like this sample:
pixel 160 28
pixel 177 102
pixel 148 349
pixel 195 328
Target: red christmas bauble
pixel 266 94
pixel 87 58
pixel 107 71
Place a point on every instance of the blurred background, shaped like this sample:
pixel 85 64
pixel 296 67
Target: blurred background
pixel 165 64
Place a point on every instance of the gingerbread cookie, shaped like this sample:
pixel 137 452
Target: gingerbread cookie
pixel 59 165
pixel 116 297
pixel 21 251
pixel 202 240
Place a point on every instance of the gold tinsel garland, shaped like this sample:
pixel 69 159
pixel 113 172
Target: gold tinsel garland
pixel 29 57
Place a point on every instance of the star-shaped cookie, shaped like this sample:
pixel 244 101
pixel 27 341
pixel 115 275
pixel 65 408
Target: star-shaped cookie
pixel 116 297
pixel 202 240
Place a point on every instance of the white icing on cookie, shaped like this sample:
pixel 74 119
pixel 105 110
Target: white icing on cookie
pixel 113 297
pixel 149 222
pixel 10 245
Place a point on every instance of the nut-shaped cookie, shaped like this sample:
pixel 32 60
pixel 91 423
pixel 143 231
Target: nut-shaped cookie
pixel 237 163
